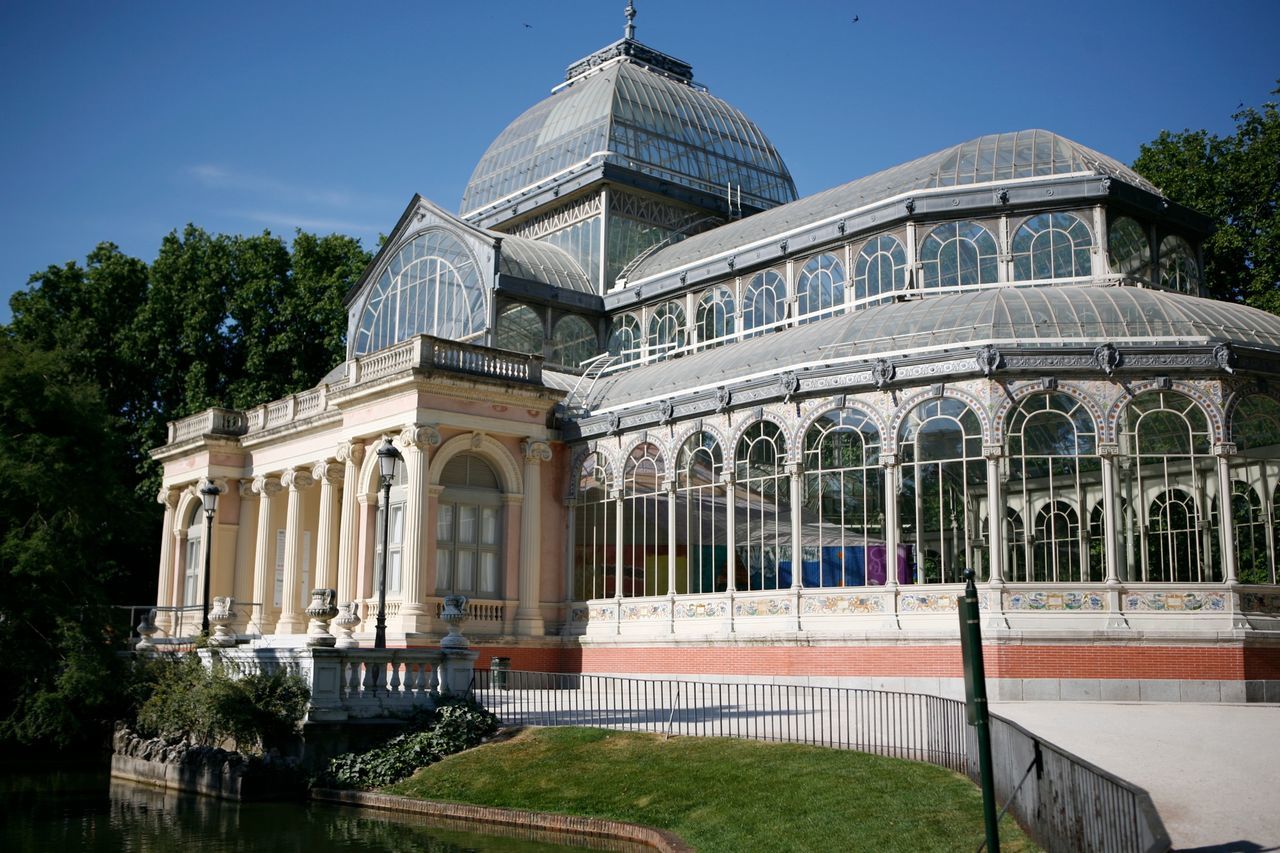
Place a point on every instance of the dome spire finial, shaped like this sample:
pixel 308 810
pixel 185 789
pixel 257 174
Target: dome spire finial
pixel 630 31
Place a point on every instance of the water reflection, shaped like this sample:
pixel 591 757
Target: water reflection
pixel 86 811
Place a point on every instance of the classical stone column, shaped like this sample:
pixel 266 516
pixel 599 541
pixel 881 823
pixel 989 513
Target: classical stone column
pixel 528 612
pixel 414 442
pixel 797 525
pixel 995 512
pixel 329 475
pixel 1110 510
pixel 164 585
pixel 291 621
pixel 265 487
pixel 1226 521
pixel 890 463
pixel 351 454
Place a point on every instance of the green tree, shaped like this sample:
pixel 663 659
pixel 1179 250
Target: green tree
pixel 1235 180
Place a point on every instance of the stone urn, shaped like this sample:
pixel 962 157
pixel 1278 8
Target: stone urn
pixel 146 630
pixel 454 614
pixel 220 616
pixel 321 610
pixel 345 624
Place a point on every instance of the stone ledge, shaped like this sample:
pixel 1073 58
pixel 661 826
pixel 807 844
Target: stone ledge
pixel 655 839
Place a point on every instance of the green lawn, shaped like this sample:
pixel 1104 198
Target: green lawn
pixel 719 794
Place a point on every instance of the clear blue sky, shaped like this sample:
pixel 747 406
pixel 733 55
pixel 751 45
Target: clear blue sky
pixel 126 120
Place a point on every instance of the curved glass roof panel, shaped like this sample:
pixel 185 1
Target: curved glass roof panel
pixel 641 120
pixel 538 261
pixel 1044 316
pixel 987 159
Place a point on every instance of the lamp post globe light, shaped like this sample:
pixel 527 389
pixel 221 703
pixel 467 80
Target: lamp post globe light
pixel 209 496
pixel 387 458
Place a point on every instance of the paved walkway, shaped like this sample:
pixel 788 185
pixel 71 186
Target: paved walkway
pixel 1213 770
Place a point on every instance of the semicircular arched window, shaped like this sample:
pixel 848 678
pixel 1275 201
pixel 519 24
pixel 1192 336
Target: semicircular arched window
pixel 701 521
pixel 820 288
pixel 431 287
pixel 469 529
pixel 959 254
pixel 1178 268
pixel 762 514
pixel 573 341
pixel 843 501
pixel 715 316
pixel 666 328
pixel 625 338
pixel 1129 248
pixel 1051 245
pixel 519 330
pixel 594 530
pixel 880 269
pixel 765 302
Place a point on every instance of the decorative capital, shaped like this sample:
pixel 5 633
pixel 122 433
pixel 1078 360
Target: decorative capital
pixel 219 483
pixel 168 497
pixel 1108 449
pixel 267 485
pixel 535 451
pixel 296 478
pixel 1225 449
pixel 420 437
pixel 889 460
pixel 350 451
pixel 246 488
pixel 993 451
pixel 328 472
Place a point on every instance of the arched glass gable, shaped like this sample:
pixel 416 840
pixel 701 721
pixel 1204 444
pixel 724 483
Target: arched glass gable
pixel 1129 248
pixel 880 269
pixel 715 315
pixel 431 287
pixel 765 302
pixel 519 329
pixel 1178 268
pixel 573 341
pixel 625 338
pixel 820 287
pixel 666 329
pixel 957 254
pixel 1051 245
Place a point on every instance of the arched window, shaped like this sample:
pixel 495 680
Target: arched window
pixel 765 302
pixel 820 288
pixel 625 338
pixel 880 269
pixel 395 535
pixel 469 529
pixel 431 287
pixel 1053 467
pixel 573 341
pixel 1015 533
pixel 1129 248
pixel 519 330
pixel 1255 430
pixel 1249 528
pixel 666 328
pixel 644 523
pixel 958 254
pixel 193 564
pixel 1051 245
pixel 843 517
pixel 594 531
pixel 762 509
pixel 1167 471
pixel 943 484
pixel 1178 268
pixel 715 316
pixel 701 524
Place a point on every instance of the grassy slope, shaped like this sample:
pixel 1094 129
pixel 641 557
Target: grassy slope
pixel 721 795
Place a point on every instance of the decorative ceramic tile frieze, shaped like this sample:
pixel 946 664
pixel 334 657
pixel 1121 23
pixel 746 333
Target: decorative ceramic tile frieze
pixel 1176 601
pixel 1051 600
pixel 606 612
pixel 934 602
pixel 838 605
pixel 702 610
pixel 579 614
pixel 643 612
pixel 1260 602
pixel 779 606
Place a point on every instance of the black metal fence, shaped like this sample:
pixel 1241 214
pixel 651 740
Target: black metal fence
pixel 1063 802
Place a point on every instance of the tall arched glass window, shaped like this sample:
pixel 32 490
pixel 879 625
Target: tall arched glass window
pixel 1249 531
pixel 1053 471
pixel 958 254
pixel 573 341
pixel 519 330
pixel 644 523
pixel 399 498
pixel 431 287
pixel 942 490
pixel 625 338
pixel 1015 536
pixel 1129 248
pixel 715 316
pixel 1255 431
pixel 820 288
pixel 594 531
pixel 666 328
pixel 880 269
pixel 1178 268
pixel 469 529
pixel 764 303
pixel 843 517
pixel 762 509
pixel 702 556
pixel 193 559
pixel 1167 473
pixel 1051 245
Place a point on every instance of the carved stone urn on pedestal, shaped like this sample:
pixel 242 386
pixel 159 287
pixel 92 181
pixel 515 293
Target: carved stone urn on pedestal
pixel 321 610
pixel 146 630
pixel 220 616
pixel 345 624
pixel 454 614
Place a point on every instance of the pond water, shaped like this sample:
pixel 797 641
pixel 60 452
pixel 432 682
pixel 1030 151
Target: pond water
pixel 78 810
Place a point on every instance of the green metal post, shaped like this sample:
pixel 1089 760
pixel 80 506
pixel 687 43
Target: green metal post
pixel 975 689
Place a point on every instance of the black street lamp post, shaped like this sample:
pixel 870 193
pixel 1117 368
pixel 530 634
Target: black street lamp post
pixel 387 458
pixel 209 496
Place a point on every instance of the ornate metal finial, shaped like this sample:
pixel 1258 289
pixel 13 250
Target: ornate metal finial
pixel 630 31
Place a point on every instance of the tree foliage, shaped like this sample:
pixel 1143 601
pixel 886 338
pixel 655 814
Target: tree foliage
pixel 1234 179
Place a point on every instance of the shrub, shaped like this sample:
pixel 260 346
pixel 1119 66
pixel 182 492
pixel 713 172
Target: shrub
pixel 451 728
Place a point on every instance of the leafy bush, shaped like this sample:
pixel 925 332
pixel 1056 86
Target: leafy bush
pixel 181 697
pixel 451 728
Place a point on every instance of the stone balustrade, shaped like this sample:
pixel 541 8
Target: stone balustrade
pixel 209 422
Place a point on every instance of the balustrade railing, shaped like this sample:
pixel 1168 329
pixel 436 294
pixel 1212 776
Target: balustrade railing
pixel 209 422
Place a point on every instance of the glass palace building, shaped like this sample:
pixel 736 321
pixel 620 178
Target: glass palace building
pixel 659 415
